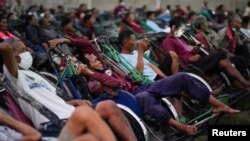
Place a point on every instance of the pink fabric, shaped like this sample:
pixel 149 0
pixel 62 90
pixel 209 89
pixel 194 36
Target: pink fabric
pixel 15 110
pixel 6 35
pixel 183 51
pixel 200 37
pixel 106 80
pixel 232 38
pixel 85 47
pixel 113 82
pixel 137 27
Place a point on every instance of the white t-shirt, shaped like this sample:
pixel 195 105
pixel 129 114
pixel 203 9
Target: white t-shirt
pixel 247 11
pixel 132 59
pixel 41 90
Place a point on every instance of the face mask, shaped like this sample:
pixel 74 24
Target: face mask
pixel 26 60
pixel 233 29
pixel 178 33
pixel 56 59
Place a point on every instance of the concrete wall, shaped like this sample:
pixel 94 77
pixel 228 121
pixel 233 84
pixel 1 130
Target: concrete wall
pixel 196 4
pixel 152 4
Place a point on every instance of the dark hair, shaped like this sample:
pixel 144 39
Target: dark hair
pixel 2 17
pixel 28 19
pixel 176 21
pixel 124 35
pixel 126 15
pixel 60 7
pixel 248 3
pixel 149 13
pixel 168 6
pixel 232 18
pixel 9 15
pixel 65 21
pixel 245 20
pixel 86 18
pixel 41 21
pixel 199 21
pixel 82 4
pixel 81 57
pixel 191 14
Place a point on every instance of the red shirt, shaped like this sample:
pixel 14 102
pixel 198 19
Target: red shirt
pixel 183 51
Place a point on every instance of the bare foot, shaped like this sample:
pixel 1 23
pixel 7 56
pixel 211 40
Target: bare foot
pixel 188 129
pixel 225 109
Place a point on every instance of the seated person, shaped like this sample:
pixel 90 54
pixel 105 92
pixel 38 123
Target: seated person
pixel 47 33
pixel 215 62
pixel 227 36
pixel 69 31
pixel 120 9
pixel 135 58
pixel 189 30
pixel 203 34
pixel 38 52
pixel 5 34
pixel 79 126
pixel 149 95
pixel 151 22
pixel 11 129
pixel 207 37
pixel 232 39
pixel 129 19
pixel 34 85
pixel 245 27
pixel 88 22
pixel 32 30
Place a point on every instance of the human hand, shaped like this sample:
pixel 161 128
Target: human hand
pixel 76 102
pixel 54 42
pixel 195 49
pixel 84 70
pixel 143 45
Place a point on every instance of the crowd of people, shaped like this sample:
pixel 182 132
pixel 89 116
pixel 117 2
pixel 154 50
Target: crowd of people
pixel 27 35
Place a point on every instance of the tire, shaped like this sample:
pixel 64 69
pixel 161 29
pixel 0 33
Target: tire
pixel 136 123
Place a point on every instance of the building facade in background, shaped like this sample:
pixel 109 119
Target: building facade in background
pixel 151 4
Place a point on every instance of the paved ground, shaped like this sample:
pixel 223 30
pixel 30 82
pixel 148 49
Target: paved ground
pixel 239 119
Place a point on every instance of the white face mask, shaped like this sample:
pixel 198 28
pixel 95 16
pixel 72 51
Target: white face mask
pixel 56 59
pixel 178 33
pixel 26 60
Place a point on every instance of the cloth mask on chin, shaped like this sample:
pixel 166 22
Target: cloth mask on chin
pixel 26 60
pixel 178 33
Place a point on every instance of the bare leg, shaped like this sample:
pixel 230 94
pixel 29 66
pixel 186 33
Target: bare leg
pixel 218 90
pixel 187 129
pixel 220 107
pixel 177 105
pixel 86 120
pixel 117 121
pixel 175 62
pixel 233 72
pixel 86 137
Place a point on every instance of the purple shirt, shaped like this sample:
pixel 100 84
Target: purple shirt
pixel 183 51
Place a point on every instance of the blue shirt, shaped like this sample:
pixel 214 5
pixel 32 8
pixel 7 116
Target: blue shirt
pixel 154 26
